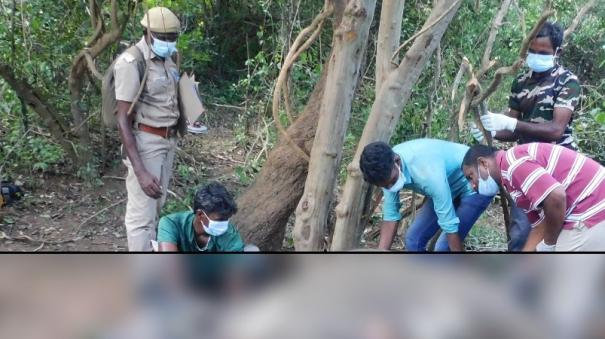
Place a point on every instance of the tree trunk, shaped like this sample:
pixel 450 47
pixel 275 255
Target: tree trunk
pixel 52 120
pixel 386 110
pixel 264 209
pixel 98 43
pixel 389 36
pixel 349 42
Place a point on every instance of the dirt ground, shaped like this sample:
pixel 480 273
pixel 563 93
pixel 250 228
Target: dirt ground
pixel 63 213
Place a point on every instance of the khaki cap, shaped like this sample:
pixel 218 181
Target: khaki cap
pixel 161 20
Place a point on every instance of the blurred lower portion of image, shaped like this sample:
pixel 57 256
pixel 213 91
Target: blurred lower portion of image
pixel 284 296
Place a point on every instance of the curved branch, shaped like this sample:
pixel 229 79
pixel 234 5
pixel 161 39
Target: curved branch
pixel 92 67
pixel 297 48
pixel 534 32
pixel 97 33
pixel 521 18
pixel 464 65
pixel 496 23
pixel 303 48
pixel 510 70
pixel 426 28
pixel 500 73
pixel 578 19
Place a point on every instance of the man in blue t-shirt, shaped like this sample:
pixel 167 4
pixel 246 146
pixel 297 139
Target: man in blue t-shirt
pixel 432 168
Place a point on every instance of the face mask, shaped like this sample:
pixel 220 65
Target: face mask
pixel 539 62
pixel 163 49
pixel 398 185
pixel 215 228
pixel 487 187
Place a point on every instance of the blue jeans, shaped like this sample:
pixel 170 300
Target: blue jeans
pixel 519 229
pixel 425 226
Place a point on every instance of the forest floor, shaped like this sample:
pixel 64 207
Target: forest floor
pixel 63 213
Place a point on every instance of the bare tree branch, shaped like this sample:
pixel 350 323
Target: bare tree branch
pixel 496 23
pixel 92 67
pixel 578 19
pixel 533 33
pixel 426 28
pixel 521 18
pixel 510 70
pixel 464 65
pixel 299 45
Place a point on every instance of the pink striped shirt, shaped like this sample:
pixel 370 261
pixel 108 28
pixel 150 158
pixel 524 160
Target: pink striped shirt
pixel 532 171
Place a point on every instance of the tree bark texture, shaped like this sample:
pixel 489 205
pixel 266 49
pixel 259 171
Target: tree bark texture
pixel 264 209
pixel 348 47
pixel 386 110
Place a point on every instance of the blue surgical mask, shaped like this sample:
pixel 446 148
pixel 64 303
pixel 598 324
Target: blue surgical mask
pixel 163 49
pixel 539 62
pixel 398 185
pixel 215 228
pixel 487 187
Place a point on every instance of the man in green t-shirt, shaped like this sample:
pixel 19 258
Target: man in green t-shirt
pixel 207 229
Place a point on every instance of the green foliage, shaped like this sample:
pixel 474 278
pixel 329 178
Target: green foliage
pixel 20 149
pixel 236 49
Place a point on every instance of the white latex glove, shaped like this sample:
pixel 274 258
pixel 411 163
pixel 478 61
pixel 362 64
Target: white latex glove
pixel 543 247
pixel 477 134
pixel 498 122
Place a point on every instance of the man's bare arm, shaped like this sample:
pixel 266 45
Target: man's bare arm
pixel 149 183
pixel 387 234
pixel 546 131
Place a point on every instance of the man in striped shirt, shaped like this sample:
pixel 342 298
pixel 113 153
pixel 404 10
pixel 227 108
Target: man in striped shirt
pixel 561 191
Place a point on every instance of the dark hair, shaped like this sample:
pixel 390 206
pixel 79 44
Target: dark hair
pixel 214 198
pixel 476 151
pixel 554 31
pixel 376 162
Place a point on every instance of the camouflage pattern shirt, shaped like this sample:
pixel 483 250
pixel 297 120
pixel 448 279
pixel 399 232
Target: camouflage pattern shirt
pixel 536 100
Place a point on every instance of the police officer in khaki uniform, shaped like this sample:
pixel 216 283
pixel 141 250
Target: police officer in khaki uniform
pixel 149 133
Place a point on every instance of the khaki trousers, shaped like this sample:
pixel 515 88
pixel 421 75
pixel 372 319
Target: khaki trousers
pixel 142 211
pixel 582 238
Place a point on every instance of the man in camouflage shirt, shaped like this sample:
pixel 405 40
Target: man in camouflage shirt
pixel 542 100
pixel 541 107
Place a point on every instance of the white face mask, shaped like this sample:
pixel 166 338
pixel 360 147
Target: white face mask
pixel 215 228
pixel 398 185
pixel 487 187
pixel 163 49
pixel 539 62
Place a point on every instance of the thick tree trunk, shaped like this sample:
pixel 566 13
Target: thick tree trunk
pixel 264 209
pixel 349 42
pixel 386 110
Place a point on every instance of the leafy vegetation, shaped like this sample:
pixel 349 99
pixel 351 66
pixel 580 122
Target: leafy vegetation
pixel 236 48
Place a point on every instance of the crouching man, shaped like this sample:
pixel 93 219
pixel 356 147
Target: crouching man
pixel 206 229
pixel 561 191
pixel 433 169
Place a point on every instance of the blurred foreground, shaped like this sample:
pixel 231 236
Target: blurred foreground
pixel 313 296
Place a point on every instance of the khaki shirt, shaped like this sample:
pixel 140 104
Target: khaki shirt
pixel 158 105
